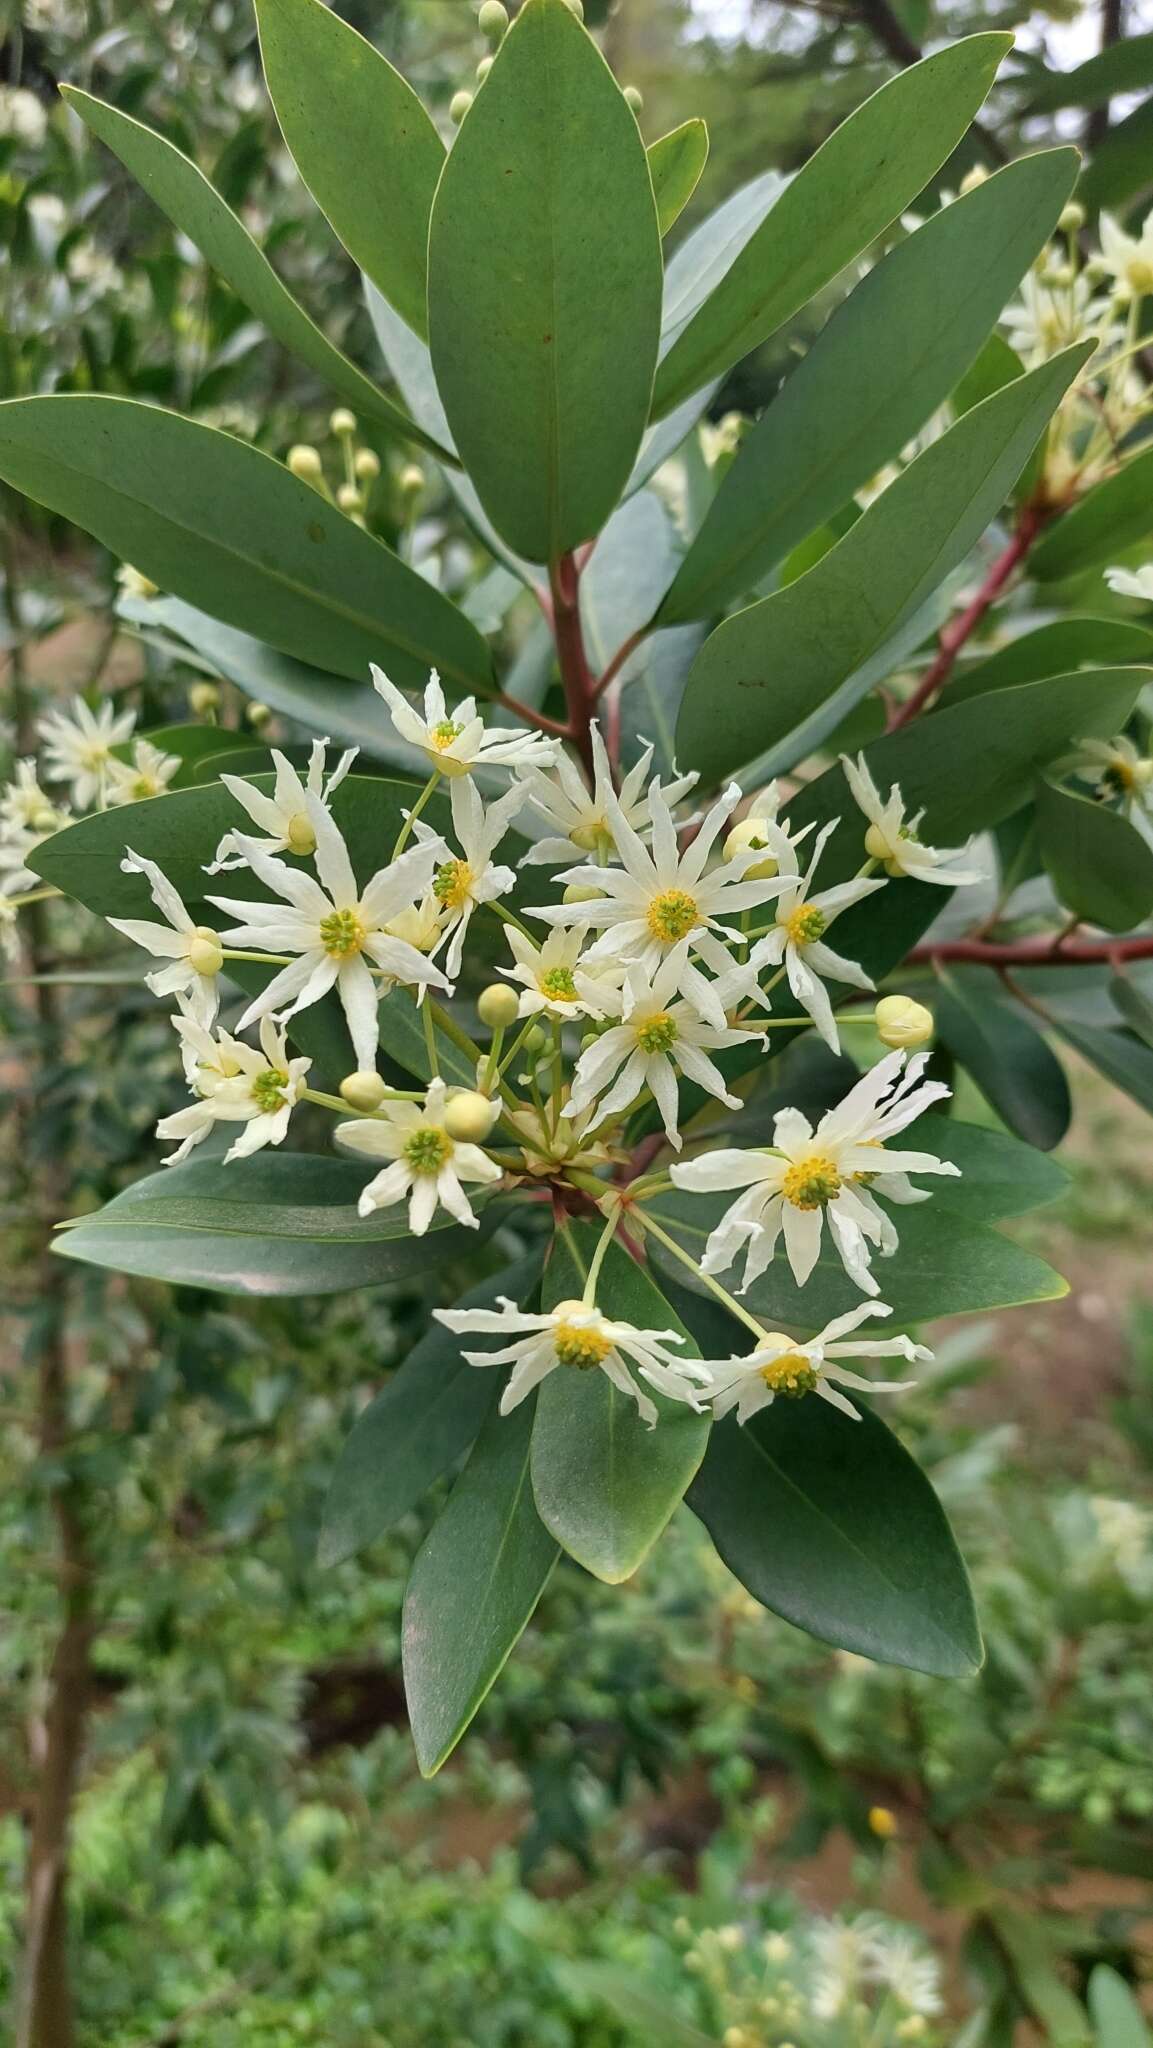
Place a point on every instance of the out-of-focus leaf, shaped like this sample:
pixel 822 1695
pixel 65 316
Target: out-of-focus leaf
pixel 1122 167
pixel 646 2011
pixel 1113 516
pixel 1115 2012
pixel 1053 650
pixel 1007 1057
pixel 1133 1005
pixel 1123 1059
pixel 676 161
pixel 1099 864
pixel 999 1176
pixel 1126 66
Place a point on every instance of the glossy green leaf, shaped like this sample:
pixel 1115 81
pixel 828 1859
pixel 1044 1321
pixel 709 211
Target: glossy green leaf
pixel 422 1421
pixel 545 285
pixel 196 208
pixel 1120 169
pixel 224 526
pixel 947 1265
pixel 605 1483
pixel 478 1576
pixel 1007 1057
pixel 1133 1004
pixel 856 185
pixel 676 161
pixel 1114 515
pixel 999 1175
pixel 1123 1059
pixel 1126 66
pixel 889 356
pixel 193 746
pixel 361 140
pixel 1052 650
pixel 706 256
pixel 772 666
pixel 831 1524
pixel 279 1223
pixel 1115 2012
pixel 1098 862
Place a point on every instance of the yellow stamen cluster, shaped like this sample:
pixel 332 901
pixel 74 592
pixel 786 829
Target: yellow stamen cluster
pixel 672 915
pixel 428 1149
pixel 810 1183
pixel 791 1375
pixel 268 1088
pixel 444 734
pixel 580 1345
pixel 342 933
pixel 805 923
pixel 657 1034
pixel 559 984
pixel 451 884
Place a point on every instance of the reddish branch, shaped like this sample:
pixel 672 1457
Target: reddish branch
pixel 954 636
pixel 1042 952
pixel 579 688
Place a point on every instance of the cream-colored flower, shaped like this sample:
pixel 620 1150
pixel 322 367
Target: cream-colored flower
pixel 463 882
pixel 283 814
pixel 148 774
pixel 194 952
pixel 548 974
pixel 1132 582
pixel 579 816
pixel 1128 258
pixel 1048 318
pixel 425 1166
pixel 801 918
pixel 78 746
pixel 234 1084
pixel 1122 770
pixel 25 807
pixel 456 742
pixel 783 1365
pixel 892 838
pixel 577 1335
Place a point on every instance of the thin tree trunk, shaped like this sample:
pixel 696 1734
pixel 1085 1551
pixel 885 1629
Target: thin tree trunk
pixel 1112 30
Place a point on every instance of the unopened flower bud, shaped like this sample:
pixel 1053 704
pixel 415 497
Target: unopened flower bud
pixel 498 1006
pixel 971 180
pixel 257 714
pixel 304 461
pixel 730 1939
pixel 536 1039
pixel 411 479
pixel 342 423
pixel 301 835
pixel 750 834
pixel 876 844
pixel 901 1022
pixel 1072 218
pixel 458 107
pixel 203 698
pixel 349 499
pixel 1060 276
pixel 492 20
pixel 470 1116
pixel 366 467
pixel 363 1090
pixel 634 98
pixel 483 69
pixel 205 952
pixel 582 892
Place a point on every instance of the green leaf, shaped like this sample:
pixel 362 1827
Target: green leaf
pixel 1032 1954
pixel 1052 650
pixel 605 1484
pixel 1134 1006
pixel 676 161
pixel 1007 1058
pixel 889 356
pixel 1116 2013
pixel 276 1224
pixel 193 745
pixel 196 208
pixel 1126 66
pixel 425 1418
pixel 772 666
pixel 1120 169
pixel 646 2011
pixel 946 1265
pixel 831 1524
pixel 1098 862
pixel 235 533
pixel 706 256
pixel 361 140
pixel 477 1577
pixel 1114 515
pixel 999 1176
pixel 544 286
pixel 856 185
pixel 1123 1059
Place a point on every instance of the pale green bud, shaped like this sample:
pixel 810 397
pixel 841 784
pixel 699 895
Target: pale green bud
pixel 342 423
pixel 901 1022
pixel 366 466
pixel 634 98
pixel 205 952
pixel 582 892
pixel 257 714
pixel 483 69
pixel 458 107
pixel 536 1039
pixel 203 698
pixel 411 479
pixel 1072 218
pixel 301 834
pixel 349 499
pixel 492 20
pixel 470 1116
pixel 304 462
pixel 498 1006
pixel 363 1090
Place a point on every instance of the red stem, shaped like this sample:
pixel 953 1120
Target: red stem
pixel 954 636
pixel 1035 952
pixel 564 579
pixel 619 659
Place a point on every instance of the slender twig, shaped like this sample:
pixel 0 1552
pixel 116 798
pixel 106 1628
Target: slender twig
pixel 564 577
pixel 1034 952
pixel 955 635
pixel 618 661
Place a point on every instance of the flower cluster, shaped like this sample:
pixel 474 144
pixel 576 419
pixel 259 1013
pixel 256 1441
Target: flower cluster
pixel 842 1981
pixel 641 989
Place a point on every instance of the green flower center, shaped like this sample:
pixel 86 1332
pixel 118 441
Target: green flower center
pixel 451 884
pixel 342 933
pixel 805 923
pixel 810 1183
pixel 558 983
pixel 672 915
pixel 268 1088
pixel 791 1375
pixel 444 734
pixel 428 1149
pixel 581 1346
pixel 657 1034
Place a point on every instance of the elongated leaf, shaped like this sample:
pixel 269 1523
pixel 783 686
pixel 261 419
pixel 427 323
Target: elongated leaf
pixel 1122 167
pixel 1099 864
pixel 1123 1059
pixel 856 185
pixel 646 2011
pixel 1126 66
pixel 1116 2013
pixel 832 1525
pixel 676 161
pixel 421 1423
pixel 1133 1005
pixel 544 286
pixel 275 1224
pixel 605 1484
pixel 890 354
pixel 946 1265
pixel 193 746
pixel 196 208
pixel 1007 1058
pixel 474 1585
pixel 1114 515
pixel 233 532
pixel 999 1176
pixel 362 142
pixel 1052 650
pixel 705 257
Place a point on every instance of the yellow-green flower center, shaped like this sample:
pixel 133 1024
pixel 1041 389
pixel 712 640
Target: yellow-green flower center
pixel 451 884
pixel 657 1034
pixel 428 1149
pixel 268 1088
pixel 805 923
pixel 810 1183
pixel 791 1375
pixel 342 933
pixel 581 1345
pixel 444 734
pixel 672 915
pixel 1139 275
pixel 558 983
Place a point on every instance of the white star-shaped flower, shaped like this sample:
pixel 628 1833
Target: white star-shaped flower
pixel 335 927
pixel 26 808
pixel 1128 258
pixel 892 838
pixel 78 746
pixel 548 975
pixel 1132 582
pixel 660 1036
pixel 801 919
pixel 783 1365
pixel 148 774
pixel 831 1171
pixel 462 882
pixel 579 815
pixel 1121 768
pixel 577 1335
pixel 234 1084
pixel 195 952
pixel 425 1166
pixel 457 742
pixel 284 814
